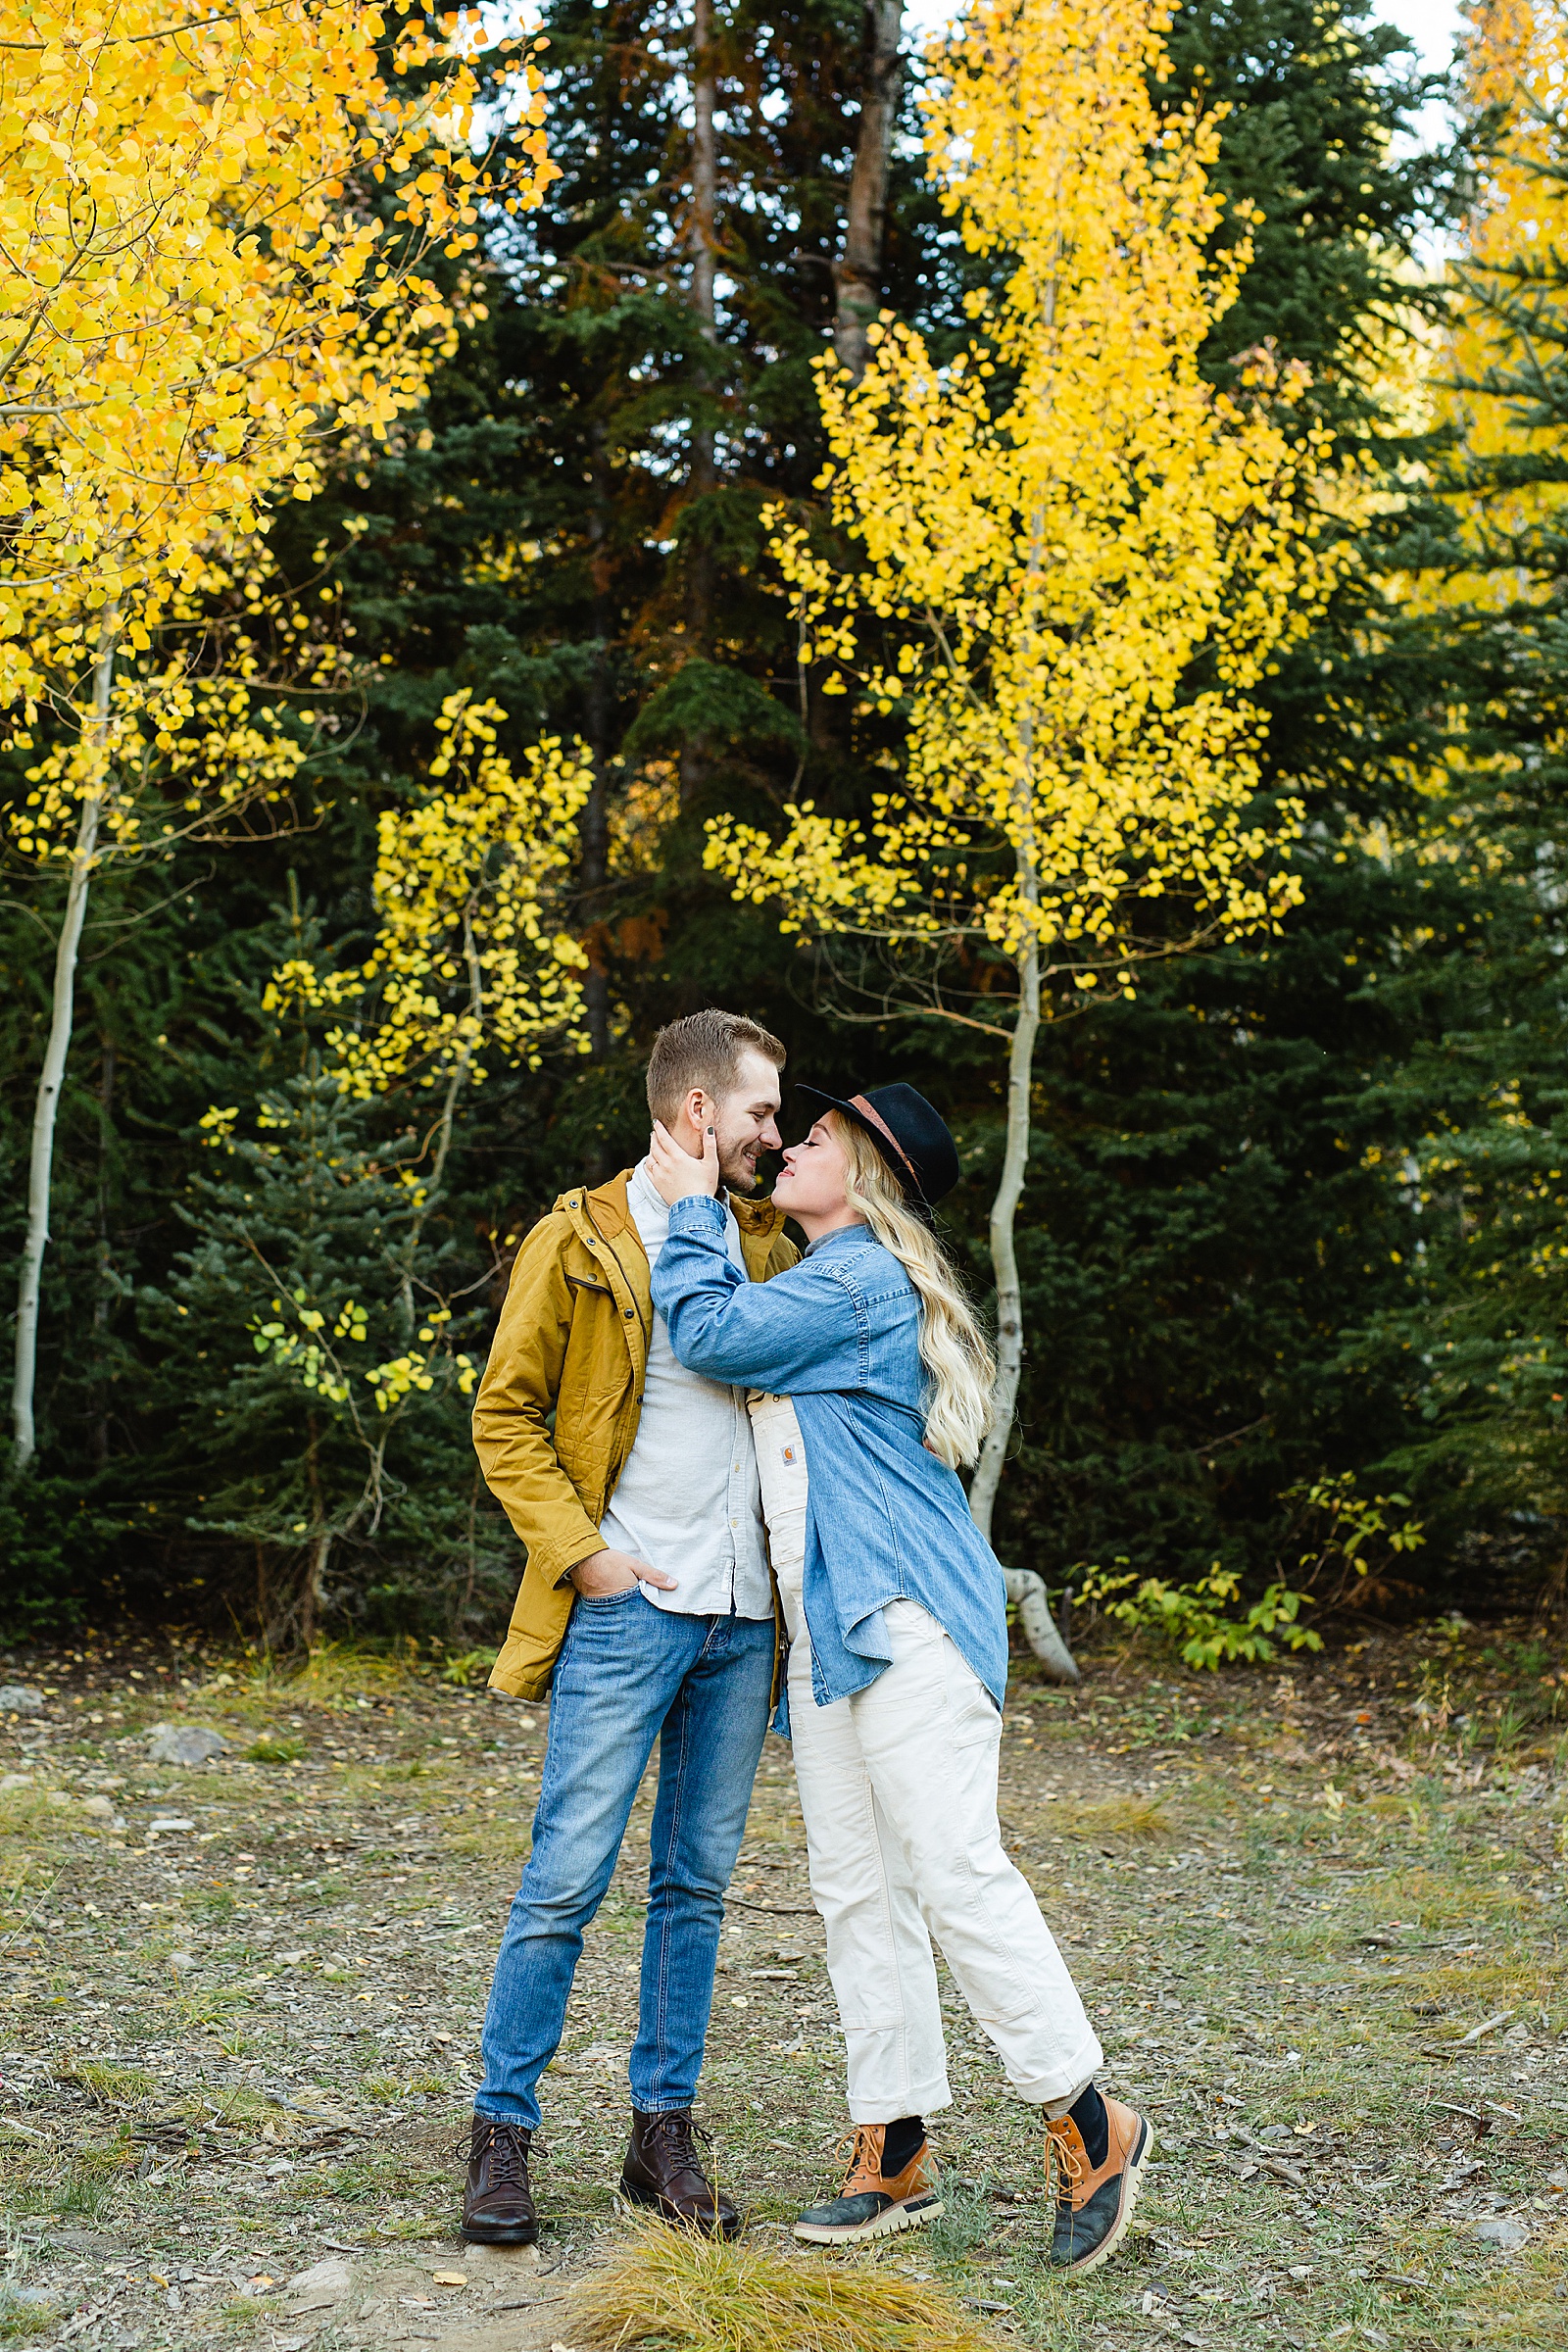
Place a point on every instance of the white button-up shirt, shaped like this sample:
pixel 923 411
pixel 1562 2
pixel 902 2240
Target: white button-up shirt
pixel 689 1500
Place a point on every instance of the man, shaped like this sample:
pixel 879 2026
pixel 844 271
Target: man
pixel 645 1610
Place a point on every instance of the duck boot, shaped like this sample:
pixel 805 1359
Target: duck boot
pixel 1095 2201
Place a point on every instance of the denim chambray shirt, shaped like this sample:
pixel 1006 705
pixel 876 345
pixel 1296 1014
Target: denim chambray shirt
pixel 839 1333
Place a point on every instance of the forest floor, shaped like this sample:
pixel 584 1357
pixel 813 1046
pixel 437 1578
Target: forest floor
pixel 1317 1915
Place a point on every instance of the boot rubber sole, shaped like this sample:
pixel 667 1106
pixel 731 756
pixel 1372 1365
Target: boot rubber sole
pixel 1132 2180
pixel 647 2197
pixel 912 2214
pixel 500 2233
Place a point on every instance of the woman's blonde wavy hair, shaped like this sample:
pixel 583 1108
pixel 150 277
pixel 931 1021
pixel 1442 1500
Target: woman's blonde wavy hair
pixel 952 1347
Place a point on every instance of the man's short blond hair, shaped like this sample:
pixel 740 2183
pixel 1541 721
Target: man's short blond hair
pixel 703 1050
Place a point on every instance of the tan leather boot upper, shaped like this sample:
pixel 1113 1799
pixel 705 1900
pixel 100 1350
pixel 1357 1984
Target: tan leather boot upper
pixel 865 2173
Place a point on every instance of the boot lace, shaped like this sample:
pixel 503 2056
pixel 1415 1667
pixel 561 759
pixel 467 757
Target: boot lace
pixel 681 2129
pixel 507 2146
pixel 1064 2166
pixel 862 2157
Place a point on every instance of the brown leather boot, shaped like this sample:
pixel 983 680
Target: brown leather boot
pixel 662 2169
pixel 498 2208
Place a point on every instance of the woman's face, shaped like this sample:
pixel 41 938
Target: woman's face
pixel 815 1179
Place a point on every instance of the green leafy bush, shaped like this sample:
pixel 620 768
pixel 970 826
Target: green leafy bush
pixel 472 1666
pixel 269 1750
pixel 1200 1621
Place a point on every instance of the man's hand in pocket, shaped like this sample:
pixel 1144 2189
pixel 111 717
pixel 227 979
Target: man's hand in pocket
pixel 604 1573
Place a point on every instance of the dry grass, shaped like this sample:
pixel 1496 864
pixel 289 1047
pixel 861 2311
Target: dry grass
pixel 1522 2308
pixel 684 2294
pixel 19 2319
pixel 1112 1817
pixel 109 2085
pixel 269 1748
pixel 332 1675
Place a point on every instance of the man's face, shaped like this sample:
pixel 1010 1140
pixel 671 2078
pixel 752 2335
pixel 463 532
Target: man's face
pixel 745 1121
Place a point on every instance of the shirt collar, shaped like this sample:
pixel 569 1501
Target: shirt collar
pixel 841 1233
pixel 648 1193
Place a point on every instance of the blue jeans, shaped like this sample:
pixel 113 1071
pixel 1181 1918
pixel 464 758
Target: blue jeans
pixel 629 1672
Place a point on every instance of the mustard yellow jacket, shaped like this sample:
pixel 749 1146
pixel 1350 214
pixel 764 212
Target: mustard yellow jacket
pixel 572 1342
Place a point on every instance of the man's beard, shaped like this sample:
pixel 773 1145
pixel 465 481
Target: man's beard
pixel 739 1172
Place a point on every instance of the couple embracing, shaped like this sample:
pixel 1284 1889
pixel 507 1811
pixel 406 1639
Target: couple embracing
pixel 734 1468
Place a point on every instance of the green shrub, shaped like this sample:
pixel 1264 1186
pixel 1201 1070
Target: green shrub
pixel 475 1665
pixel 270 1749
pixel 1200 1621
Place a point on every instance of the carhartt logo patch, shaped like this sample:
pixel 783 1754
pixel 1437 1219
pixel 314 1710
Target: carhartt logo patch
pixel 790 1455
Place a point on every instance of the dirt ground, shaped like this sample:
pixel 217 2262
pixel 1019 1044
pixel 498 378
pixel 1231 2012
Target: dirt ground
pixel 1317 1915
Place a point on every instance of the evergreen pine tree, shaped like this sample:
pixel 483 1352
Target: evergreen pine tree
pixel 1476 1347
pixel 329 1430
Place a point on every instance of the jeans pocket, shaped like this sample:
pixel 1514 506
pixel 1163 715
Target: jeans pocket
pixel 607 1601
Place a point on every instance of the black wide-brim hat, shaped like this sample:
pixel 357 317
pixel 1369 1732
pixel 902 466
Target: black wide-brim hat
pixel 911 1136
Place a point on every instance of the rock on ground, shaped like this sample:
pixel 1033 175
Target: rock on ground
pixel 322 2284
pixel 183 1743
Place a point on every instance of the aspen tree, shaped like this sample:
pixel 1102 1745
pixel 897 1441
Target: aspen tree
pixel 198 298
pixel 1069 564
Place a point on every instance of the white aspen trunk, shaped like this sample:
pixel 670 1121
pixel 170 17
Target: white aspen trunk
pixel 315 1586
pixel 1040 1628
pixel 593 832
pixel 459 1072
pixel 1004 1253
pixel 51 1080
pixel 702 230
pixel 1024 1587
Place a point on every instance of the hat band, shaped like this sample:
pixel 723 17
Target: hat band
pixel 875 1120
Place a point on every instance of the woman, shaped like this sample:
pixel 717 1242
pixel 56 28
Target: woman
pixel 876 1384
